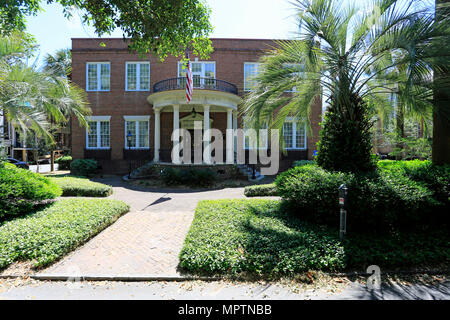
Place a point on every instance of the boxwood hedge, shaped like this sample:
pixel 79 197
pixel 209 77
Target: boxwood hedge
pixel 21 190
pixel 261 190
pixel 81 187
pixel 377 201
pixel 256 237
pixel 48 234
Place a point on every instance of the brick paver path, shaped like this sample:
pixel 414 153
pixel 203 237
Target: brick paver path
pixel 145 241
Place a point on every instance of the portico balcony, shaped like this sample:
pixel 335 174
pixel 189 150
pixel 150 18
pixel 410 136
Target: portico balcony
pixel 199 83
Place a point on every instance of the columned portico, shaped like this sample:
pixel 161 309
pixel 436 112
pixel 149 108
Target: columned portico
pixel 216 109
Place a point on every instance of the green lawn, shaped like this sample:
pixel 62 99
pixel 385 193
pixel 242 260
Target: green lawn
pixel 256 237
pixel 81 187
pixel 234 236
pixel 50 233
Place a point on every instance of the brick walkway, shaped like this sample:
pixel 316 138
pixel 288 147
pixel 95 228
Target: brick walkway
pixel 145 241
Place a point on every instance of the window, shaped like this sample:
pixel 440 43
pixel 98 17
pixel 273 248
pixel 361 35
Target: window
pixel 138 128
pixel 98 76
pixel 98 134
pixel 201 73
pixel 137 76
pixel 250 71
pixel 294 134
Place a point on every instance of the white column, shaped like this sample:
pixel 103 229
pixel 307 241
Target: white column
pixel 176 126
pixel 157 134
pixel 206 135
pixel 235 126
pixel 230 140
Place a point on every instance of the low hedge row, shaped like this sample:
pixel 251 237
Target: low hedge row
pixel 83 167
pixel 254 236
pixel 261 190
pixel 64 162
pixel 81 187
pixel 21 190
pixel 189 177
pixel 379 201
pixel 259 237
pixel 50 233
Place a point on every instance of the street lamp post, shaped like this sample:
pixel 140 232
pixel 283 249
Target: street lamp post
pixel 129 136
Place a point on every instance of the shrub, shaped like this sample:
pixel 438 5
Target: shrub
pixel 346 144
pixel 21 190
pixel 300 163
pixel 83 167
pixel 256 237
pixel 189 177
pixel 50 233
pixel 81 187
pixel 64 162
pixel 376 201
pixel 261 190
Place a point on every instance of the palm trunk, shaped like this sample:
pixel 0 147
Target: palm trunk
pixel 441 124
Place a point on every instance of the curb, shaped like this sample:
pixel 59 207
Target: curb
pixel 180 278
pixel 122 278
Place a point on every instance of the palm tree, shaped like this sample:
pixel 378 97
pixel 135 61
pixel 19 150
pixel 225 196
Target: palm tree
pixel 30 99
pixel 59 63
pixel 344 53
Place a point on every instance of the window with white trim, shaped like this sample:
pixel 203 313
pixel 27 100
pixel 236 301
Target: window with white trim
pixel 250 72
pixel 202 71
pixel 98 134
pixel 98 76
pixel 137 76
pixel 138 128
pixel 294 134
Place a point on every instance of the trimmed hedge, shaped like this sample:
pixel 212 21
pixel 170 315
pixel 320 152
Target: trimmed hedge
pixel 377 201
pixel 188 177
pixel 300 163
pixel 49 234
pixel 81 187
pixel 83 167
pixel 259 237
pixel 21 190
pixel 64 162
pixel 261 190
pixel 255 237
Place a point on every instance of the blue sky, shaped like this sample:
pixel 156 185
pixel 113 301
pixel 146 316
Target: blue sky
pixel 230 18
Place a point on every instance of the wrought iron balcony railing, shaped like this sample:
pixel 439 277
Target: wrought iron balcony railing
pixel 199 83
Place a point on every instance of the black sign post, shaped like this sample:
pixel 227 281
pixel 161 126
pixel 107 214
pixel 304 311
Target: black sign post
pixel 343 211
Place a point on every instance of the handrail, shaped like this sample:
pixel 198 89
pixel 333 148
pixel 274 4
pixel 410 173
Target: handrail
pixel 199 83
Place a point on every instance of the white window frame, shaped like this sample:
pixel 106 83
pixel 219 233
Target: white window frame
pixel 98 120
pixel 294 122
pixel 257 71
pixel 137 119
pixel 138 75
pixel 98 76
pixel 202 75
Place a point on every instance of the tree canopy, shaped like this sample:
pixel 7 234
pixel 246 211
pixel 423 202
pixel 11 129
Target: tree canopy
pixel 161 27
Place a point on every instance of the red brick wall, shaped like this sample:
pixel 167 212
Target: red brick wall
pixel 229 54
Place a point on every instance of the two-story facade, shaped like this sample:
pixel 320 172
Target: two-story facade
pixel 145 99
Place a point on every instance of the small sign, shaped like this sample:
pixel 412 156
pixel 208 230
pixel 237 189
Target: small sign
pixel 341 201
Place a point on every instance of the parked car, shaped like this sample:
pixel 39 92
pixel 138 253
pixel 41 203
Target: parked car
pixel 18 163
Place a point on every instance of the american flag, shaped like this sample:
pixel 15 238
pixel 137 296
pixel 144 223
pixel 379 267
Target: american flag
pixel 189 81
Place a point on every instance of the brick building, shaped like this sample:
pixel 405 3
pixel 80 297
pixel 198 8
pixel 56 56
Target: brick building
pixel 144 99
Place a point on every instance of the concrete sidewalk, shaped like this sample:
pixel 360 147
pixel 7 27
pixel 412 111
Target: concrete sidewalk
pixel 198 290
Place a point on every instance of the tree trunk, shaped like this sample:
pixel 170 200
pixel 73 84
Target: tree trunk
pixel 400 129
pixel 441 124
